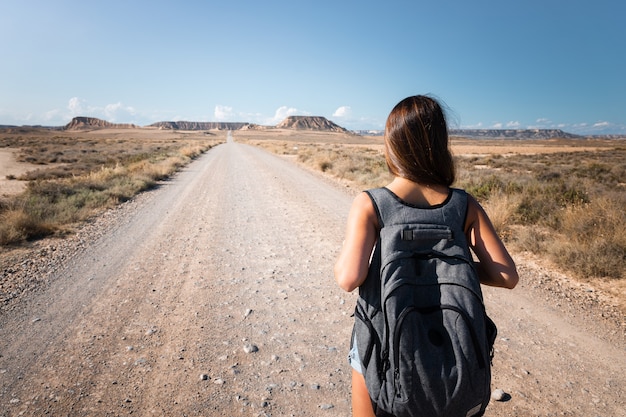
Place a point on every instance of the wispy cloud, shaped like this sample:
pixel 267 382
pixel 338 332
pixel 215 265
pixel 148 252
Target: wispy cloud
pixel 478 125
pixel 223 113
pixel 283 112
pixel 343 112
pixel 112 112
pixel 77 106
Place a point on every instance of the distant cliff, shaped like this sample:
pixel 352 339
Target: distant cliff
pixel 182 125
pixel 513 134
pixel 316 123
pixel 82 123
pixel 310 123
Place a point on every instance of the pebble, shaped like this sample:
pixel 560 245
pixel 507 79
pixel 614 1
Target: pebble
pixel 326 406
pixel 204 377
pixel 250 348
pixel 498 394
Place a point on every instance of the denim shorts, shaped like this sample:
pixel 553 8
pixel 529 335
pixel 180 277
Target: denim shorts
pixel 354 359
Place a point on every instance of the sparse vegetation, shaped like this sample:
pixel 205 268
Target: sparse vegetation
pixel 80 176
pixel 567 207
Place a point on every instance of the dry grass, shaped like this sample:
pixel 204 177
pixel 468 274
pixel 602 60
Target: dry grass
pixel 560 199
pixel 84 173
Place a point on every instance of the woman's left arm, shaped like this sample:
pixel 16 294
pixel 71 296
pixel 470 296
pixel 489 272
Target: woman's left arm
pixel 495 266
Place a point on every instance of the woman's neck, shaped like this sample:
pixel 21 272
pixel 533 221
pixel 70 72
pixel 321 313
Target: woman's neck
pixel 417 194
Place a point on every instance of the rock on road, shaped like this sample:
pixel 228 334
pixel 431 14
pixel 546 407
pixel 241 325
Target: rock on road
pixel 214 296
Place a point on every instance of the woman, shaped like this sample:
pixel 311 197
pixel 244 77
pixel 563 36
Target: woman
pixel 417 154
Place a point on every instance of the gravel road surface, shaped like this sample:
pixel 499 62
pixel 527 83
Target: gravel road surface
pixel 213 295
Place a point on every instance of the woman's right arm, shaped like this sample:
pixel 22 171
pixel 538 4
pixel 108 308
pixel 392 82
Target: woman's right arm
pixel 361 233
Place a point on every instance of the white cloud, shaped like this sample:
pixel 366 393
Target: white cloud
pixel 223 113
pixel 478 125
pixel 598 128
pixel 343 111
pixel 513 125
pixel 497 126
pixel 75 106
pixel 284 111
pixel 52 115
pixel 112 111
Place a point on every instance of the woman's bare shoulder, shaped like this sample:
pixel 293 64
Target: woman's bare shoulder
pixel 363 206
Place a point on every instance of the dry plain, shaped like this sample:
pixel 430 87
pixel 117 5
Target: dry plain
pixel 212 294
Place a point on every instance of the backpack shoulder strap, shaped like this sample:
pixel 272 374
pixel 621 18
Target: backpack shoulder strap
pixel 376 195
pixel 390 209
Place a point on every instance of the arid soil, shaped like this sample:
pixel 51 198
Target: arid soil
pixel 214 296
pixel 11 167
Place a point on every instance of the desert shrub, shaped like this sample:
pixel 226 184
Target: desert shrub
pixel 533 239
pixel 501 209
pixel 483 188
pixel 191 152
pixel 541 202
pixel 597 171
pixel 47 206
pixel 548 175
pixel 325 165
pixel 16 225
pixel 361 166
pixel 58 197
pixel 483 183
pixel 593 241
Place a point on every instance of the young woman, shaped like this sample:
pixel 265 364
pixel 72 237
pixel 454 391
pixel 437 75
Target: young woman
pixel 417 154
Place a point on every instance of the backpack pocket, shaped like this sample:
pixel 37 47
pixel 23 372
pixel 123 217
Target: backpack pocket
pixel 434 372
pixel 366 335
pixel 368 325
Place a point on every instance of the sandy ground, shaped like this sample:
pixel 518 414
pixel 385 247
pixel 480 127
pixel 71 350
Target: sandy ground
pixel 10 167
pixel 213 296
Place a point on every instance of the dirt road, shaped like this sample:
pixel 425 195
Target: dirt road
pixel 214 296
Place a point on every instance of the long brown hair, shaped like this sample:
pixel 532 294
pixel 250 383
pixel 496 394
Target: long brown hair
pixel 416 142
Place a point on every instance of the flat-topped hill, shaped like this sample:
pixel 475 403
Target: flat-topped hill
pixel 310 123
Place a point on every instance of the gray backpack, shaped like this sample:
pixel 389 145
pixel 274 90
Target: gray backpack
pixel 423 337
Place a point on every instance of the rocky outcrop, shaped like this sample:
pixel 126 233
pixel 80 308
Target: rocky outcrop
pixel 310 123
pixel 183 125
pixel 83 123
pixel 513 134
pixel 317 123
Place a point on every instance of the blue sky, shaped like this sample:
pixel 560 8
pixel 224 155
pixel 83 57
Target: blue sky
pixel 494 63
